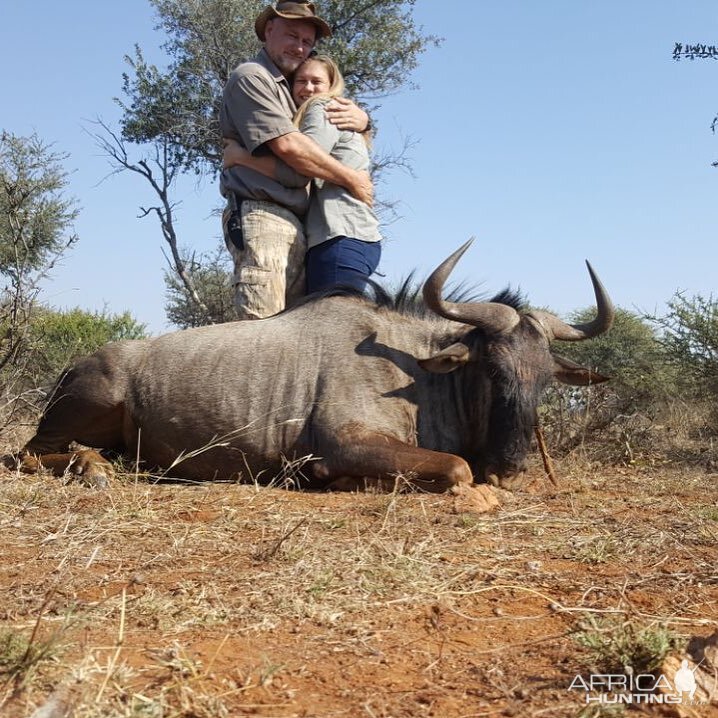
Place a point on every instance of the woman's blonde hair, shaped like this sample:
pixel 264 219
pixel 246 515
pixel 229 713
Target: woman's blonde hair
pixel 336 85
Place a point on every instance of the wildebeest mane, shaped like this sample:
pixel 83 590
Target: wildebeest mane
pixel 406 297
pixel 513 298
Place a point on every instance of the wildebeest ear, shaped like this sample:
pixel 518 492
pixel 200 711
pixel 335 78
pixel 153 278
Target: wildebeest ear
pixel 447 359
pixel 568 372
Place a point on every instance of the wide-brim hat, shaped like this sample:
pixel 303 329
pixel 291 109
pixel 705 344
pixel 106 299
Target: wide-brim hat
pixel 291 10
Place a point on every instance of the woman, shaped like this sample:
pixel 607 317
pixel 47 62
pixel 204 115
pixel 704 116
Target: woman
pixel 342 232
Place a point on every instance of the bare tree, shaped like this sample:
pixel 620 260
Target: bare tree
pixel 160 170
pixel 698 52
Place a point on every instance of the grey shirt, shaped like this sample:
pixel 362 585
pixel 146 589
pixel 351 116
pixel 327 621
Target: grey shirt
pixel 333 211
pixel 257 106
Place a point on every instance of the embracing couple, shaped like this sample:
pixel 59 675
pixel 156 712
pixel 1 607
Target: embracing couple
pixel 296 160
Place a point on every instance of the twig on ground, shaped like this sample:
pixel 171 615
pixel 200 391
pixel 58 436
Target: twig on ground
pixel 547 463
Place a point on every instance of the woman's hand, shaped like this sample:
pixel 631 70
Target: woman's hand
pixel 234 154
pixel 346 115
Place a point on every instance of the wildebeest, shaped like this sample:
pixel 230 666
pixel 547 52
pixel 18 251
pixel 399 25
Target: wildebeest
pixel 365 392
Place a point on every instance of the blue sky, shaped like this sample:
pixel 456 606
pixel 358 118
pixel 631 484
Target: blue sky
pixel 551 131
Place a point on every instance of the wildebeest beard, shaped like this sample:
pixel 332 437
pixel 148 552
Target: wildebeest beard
pixel 507 386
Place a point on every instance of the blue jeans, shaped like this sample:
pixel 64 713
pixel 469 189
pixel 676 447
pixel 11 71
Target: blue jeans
pixel 341 261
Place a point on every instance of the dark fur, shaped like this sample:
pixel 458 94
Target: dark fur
pixel 407 297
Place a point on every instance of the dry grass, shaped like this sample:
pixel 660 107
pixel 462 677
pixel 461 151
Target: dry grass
pixel 226 600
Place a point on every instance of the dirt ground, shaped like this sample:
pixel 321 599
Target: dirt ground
pixel 230 600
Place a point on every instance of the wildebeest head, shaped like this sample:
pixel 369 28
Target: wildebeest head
pixel 508 364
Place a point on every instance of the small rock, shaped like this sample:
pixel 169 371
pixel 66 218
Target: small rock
pixel 475 499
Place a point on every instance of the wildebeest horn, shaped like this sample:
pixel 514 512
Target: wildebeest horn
pixel 489 316
pixel 557 329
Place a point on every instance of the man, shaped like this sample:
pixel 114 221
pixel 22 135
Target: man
pixel 262 223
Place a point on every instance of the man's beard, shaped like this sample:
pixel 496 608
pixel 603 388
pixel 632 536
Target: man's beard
pixel 287 65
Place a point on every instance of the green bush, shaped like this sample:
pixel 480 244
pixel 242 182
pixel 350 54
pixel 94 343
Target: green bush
pixel 614 645
pixel 689 339
pixel 57 338
pixel 632 356
pixel 617 417
pixel 50 342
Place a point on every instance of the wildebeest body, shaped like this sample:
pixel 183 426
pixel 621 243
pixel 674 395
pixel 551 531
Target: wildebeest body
pixel 265 388
pixel 363 390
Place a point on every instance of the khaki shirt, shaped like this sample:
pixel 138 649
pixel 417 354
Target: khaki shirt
pixel 257 106
pixel 333 211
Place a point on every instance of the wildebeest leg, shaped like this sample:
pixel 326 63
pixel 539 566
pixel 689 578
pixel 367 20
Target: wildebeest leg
pixel 89 425
pixel 86 465
pixel 372 456
pixel 87 410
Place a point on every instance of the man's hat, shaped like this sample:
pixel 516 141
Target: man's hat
pixel 291 10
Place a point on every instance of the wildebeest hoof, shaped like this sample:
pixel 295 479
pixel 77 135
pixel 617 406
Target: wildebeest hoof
pixel 91 469
pixel 95 480
pixel 513 482
pixel 474 498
